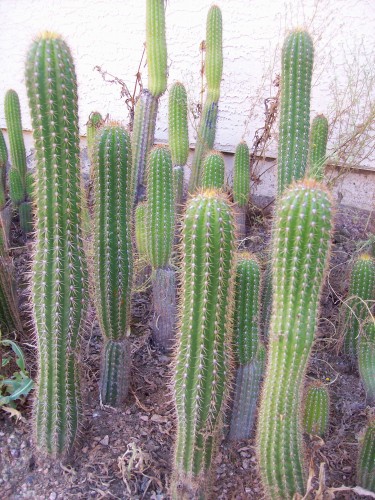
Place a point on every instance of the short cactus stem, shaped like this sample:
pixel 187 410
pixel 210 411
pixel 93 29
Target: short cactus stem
pixel 318 147
pixel 357 306
pixel 178 132
pixel 213 171
pixel 3 164
pixel 59 270
pixel 366 460
pixel 366 360
pixel 241 187
pixel 301 242
pixel 202 367
pixel 15 133
pixel 115 371
pixel 94 123
pixel 316 412
pixel 156 47
pixel 296 74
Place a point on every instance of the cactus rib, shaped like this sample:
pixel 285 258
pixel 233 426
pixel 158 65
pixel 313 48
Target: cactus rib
pixel 316 411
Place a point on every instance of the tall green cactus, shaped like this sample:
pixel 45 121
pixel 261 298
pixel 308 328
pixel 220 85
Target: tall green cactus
pixel 301 242
pixel 59 271
pixel 318 147
pixel 203 354
pixel 296 73
pixel 241 186
pixel 94 123
pixel 366 460
pixel 266 301
pixel 156 47
pixel 214 69
pixel 3 165
pixel 178 187
pixel 366 360
pixel 357 306
pixel 213 171
pixel 140 223
pixel 316 411
pixel 113 256
pixel 178 132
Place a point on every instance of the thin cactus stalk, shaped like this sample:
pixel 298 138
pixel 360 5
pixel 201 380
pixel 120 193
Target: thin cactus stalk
pixel 59 269
pixel 178 187
pixel 366 461
pixel 213 69
pixel 213 171
pixel 318 147
pixel 156 47
pixel 366 360
pixel 202 369
pixel 301 243
pixel 141 229
pixel 241 186
pixel 178 132
pixel 3 165
pixel 14 125
pixel 113 256
pixel 94 123
pixel 266 302
pixel 25 213
pixel 360 296
pixel 296 73
pixel 316 412
pixel 16 187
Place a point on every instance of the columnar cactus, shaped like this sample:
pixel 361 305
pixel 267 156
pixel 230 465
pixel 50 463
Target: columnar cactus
pixel 366 460
pixel 214 69
pixel 318 147
pixel 361 293
pixel 241 186
pixel 296 72
pixel 3 165
pixel 301 242
pixel 156 47
pixel 366 360
pixel 266 301
pixel 316 412
pixel 213 171
pixel 203 354
pixel 94 123
pixel 113 256
pixel 178 133
pixel 141 229
pixel 59 272
pixel 178 187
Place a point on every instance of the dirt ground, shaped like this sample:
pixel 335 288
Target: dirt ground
pixel 127 453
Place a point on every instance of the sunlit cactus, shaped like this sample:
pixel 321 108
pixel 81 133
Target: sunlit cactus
pixel 202 366
pixel 366 460
pixel 301 242
pixel 156 47
pixel 366 360
pixel 318 147
pixel 316 411
pixel 178 132
pixel 213 171
pixel 241 186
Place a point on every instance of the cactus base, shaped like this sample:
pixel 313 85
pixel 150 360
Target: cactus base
pixel 164 301
pixel 115 372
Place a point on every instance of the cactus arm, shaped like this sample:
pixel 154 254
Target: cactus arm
pixel 156 47
pixel 94 123
pixel 213 171
pixel 15 133
pixel 366 460
pixel 241 175
pixel 178 133
pixel 318 147
pixel 366 360
pixel 316 411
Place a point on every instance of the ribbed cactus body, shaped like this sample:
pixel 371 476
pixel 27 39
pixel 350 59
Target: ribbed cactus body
pixel 15 133
pixel 318 147
pixel 360 296
pixel 113 255
pixel 9 313
pixel 266 301
pixel 59 275
pixel 3 163
pixel 26 216
pixel 366 460
pixel 366 360
pixel 16 187
pixel 178 187
pixel 296 73
pixel 316 412
pixel 156 47
pixel 301 243
pixel 213 171
pixel 115 371
pixel 94 123
pixel 141 229
pixel 241 175
pixel 202 368
pixel 178 132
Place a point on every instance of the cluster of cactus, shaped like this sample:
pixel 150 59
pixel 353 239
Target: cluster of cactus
pixel 318 147
pixel 59 271
pixel 113 257
pixel 213 171
pixel 241 186
pixel 202 366
pixel 366 460
pixel 366 359
pixel 316 411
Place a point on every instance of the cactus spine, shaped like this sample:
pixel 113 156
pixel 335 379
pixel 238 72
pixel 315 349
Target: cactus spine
pixel 366 461
pixel 113 257
pixel 214 69
pixel 59 274
pixel 296 72
pixel 203 354
pixel 366 360
pixel 361 293
pixel 241 186
pixel 156 47
pixel 213 171
pixel 318 147
pixel 316 413
pixel 301 243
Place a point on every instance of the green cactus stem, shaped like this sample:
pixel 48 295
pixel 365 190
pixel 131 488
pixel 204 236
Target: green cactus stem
pixel 156 47
pixel 266 301
pixel 241 187
pixel 366 360
pixel 3 165
pixel 94 123
pixel 141 229
pixel 318 147
pixel 16 187
pixel 59 270
pixel 316 412
pixel 178 132
pixel 366 460
pixel 178 187
pixel 213 69
pixel 296 73
pixel 202 369
pixel 213 171
pixel 113 256
pixel 301 241
pixel 357 306
pixel 14 125
pixel 26 217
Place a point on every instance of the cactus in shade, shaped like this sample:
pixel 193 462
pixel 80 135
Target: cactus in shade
pixel 113 257
pixel 213 171
pixel 202 366
pixel 360 296
pixel 318 147
pixel 59 270
pixel 213 69
pixel 178 187
pixel 366 460
pixel 241 186
pixel 266 301
pixel 94 123
pixel 141 229
pixel 26 217
pixel 3 165
pixel 156 47
pixel 178 133
pixel 366 360
pixel 16 187
pixel 296 73
pixel 301 241
pixel 316 412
